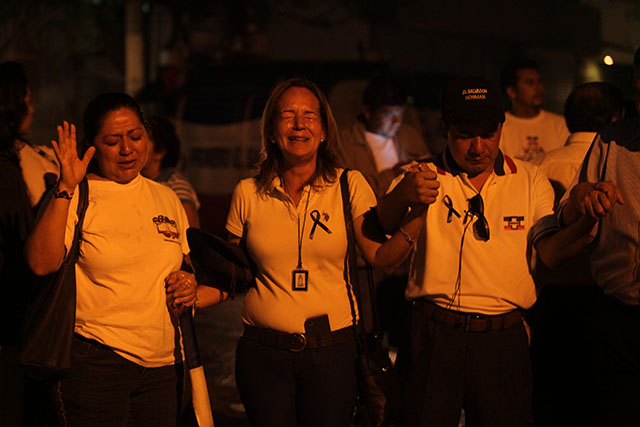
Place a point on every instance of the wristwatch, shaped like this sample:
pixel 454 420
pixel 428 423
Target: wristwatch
pixel 64 194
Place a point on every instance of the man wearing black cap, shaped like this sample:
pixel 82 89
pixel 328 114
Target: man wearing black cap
pixel 469 212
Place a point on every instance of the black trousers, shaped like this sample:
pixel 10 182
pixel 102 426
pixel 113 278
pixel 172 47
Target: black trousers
pixel 487 373
pixel 103 389
pixel 564 390
pixel 616 330
pixel 313 387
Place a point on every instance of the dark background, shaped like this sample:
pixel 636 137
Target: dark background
pixel 209 65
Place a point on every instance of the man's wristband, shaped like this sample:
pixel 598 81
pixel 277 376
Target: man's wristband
pixel 64 194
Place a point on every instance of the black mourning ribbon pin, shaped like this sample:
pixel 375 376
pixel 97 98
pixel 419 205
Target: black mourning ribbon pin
pixel 449 204
pixel 315 216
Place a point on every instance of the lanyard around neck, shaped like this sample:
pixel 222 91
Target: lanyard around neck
pixel 301 232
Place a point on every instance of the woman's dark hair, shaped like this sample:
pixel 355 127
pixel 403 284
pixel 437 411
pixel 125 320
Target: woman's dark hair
pixel 163 134
pixel 13 108
pixel 98 109
pixel 270 164
pixel 100 106
pixel 591 106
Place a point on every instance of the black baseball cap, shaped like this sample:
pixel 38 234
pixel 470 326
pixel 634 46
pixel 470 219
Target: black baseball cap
pixel 472 100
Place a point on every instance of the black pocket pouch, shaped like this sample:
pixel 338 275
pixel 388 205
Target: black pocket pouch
pixel 317 325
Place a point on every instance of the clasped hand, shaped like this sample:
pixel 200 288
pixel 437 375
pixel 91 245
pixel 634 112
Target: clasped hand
pixel 419 186
pixel 595 200
pixel 181 288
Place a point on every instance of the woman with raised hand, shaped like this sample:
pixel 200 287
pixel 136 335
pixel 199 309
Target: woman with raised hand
pixel 126 358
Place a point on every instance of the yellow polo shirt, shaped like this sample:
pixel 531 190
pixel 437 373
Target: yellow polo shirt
pixel 270 224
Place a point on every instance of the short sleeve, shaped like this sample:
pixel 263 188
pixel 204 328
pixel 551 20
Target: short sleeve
pixel 237 210
pixel 72 219
pixel 543 219
pixel 183 221
pixel 183 188
pixel 590 170
pixel 361 195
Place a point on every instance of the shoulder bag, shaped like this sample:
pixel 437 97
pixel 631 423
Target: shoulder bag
pixel 377 381
pixel 50 318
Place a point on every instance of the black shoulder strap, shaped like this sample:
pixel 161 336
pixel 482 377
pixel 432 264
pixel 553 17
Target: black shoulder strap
pixel 83 202
pixel 363 294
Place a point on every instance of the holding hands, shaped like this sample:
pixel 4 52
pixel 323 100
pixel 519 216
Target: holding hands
pixel 181 288
pixel 595 200
pixel 72 168
pixel 419 186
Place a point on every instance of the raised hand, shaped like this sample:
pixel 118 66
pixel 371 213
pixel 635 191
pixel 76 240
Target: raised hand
pixel 72 168
pixel 595 200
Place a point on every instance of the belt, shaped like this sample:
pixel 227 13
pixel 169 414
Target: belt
pixel 297 341
pixel 474 322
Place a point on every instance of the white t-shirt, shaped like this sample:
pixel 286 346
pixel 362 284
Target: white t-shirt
pixel 384 150
pixel 133 236
pixel 562 164
pixel 528 138
pixel 36 161
pixel 270 223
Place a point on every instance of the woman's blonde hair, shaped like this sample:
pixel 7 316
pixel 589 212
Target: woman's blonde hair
pixel 270 164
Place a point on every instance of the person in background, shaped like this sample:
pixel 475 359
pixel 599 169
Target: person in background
pixel 126 360
pixel 564 392
pixel 16 221
pixel 605 204
pixel 379 142
pixel 589 107
pixel 528 130
pixel 295 363
pixel 39 165
pixel 164 155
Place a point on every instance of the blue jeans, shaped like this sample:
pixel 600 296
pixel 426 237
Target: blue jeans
pixel 314 387
pixel 104 389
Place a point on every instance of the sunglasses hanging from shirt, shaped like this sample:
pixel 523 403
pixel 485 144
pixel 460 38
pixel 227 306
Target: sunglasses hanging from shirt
pixel 480 226
pixel 475 210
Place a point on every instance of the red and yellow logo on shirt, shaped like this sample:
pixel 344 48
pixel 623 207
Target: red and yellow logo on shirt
pixel 166 226
pixel 512 223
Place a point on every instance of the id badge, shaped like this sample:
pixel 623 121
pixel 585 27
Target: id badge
pixel 299 279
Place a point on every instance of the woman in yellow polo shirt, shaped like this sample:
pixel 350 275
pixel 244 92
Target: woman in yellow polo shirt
pixel 295 363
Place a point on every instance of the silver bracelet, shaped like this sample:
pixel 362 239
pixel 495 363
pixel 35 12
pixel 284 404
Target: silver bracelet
pixel 196 305
pixel 406 236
